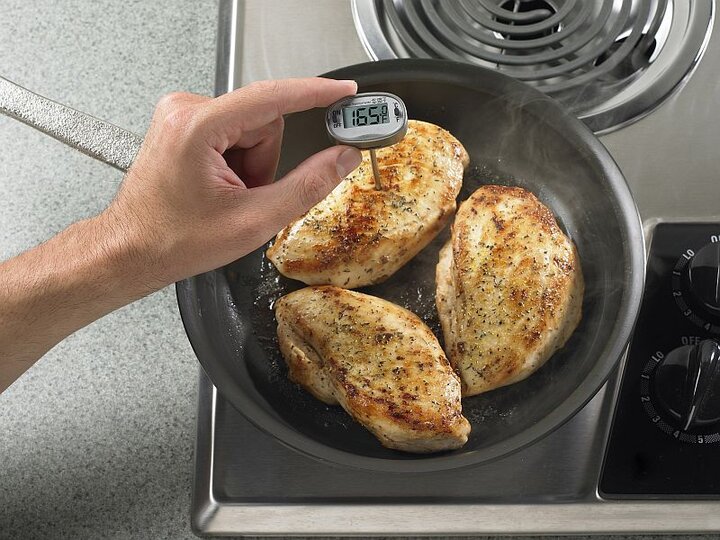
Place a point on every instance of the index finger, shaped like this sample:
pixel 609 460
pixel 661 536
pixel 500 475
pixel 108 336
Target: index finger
pixel 261 103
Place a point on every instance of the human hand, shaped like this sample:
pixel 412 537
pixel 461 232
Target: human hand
pixel 200 193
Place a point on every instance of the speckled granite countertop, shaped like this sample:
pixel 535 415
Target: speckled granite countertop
pixel 96 440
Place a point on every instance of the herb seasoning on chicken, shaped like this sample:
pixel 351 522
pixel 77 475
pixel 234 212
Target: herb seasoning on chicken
pixel 380 362
pixel 509 288
pixel 359 235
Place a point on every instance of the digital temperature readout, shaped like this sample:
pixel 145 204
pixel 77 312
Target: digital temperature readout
pixel 369 120
pixel 365 115
pixel 363 121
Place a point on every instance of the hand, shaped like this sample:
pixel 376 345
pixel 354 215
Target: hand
pixel 200 193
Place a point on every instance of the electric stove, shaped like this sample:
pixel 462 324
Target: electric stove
pixel 642 456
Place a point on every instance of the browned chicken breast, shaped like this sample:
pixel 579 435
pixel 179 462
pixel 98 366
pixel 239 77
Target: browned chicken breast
pixel 359 235
pixel 379 361
pixel 509 288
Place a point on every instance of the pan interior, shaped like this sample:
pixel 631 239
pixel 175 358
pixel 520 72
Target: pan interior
pixel 511 142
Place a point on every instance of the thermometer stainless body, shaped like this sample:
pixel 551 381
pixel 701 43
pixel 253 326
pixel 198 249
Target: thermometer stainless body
pixel 368 121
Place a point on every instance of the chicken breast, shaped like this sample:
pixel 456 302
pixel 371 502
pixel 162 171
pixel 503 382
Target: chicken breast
pixel 509 288
pixel 359 235
pixel 376 359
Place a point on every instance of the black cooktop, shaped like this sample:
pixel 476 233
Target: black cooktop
pixel 663 442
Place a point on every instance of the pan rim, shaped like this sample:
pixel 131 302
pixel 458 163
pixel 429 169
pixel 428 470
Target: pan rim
pixel 630 224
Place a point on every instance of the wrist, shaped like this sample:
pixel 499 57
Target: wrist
pixel 47 293
pixel 125 255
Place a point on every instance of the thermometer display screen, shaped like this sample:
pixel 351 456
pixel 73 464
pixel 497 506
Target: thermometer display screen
pixel 365 115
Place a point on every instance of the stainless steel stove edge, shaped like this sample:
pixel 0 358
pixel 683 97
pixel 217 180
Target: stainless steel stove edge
pixel 388 524
pixel 228 52
pixel 204 506
pixel 428 520
pixel 593 515
pixel 228 58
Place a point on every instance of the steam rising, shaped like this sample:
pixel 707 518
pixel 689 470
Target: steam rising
pixel 513 140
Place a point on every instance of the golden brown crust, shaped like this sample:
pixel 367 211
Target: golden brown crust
pixel 359 235
pixel 384 365
pixel 509 288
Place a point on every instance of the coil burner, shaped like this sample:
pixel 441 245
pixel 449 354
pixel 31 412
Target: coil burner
pixel 609 61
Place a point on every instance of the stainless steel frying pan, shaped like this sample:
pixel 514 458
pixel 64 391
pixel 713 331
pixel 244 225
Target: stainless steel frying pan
pixel 515 135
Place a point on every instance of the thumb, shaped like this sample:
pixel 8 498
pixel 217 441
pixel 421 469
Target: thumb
pixel 302 188
pixel 312 180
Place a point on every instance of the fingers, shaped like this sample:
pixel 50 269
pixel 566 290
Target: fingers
pixel 256 158
pixel 312 180
pixel 273 206
pixel 261 103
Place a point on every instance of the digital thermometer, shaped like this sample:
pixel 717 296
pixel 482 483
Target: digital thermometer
pixel 368 121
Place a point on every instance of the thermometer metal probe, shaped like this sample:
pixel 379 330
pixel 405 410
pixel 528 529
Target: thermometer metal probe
pixel 368 121
pixel 376 171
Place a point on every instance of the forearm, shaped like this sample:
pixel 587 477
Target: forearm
pixel 51 291
pixel 199 195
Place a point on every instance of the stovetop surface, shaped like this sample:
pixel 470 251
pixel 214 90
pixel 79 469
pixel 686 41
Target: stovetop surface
pixel 250 466
pixel 247 482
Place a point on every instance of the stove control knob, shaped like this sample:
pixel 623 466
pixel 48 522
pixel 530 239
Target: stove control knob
pixel 703 275
pixel 687 386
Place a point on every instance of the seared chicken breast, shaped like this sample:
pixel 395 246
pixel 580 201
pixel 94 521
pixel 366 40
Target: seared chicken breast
pixel 378 361
pixel 509 288
pixel 359 235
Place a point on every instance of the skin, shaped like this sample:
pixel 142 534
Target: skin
pixel 198 196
